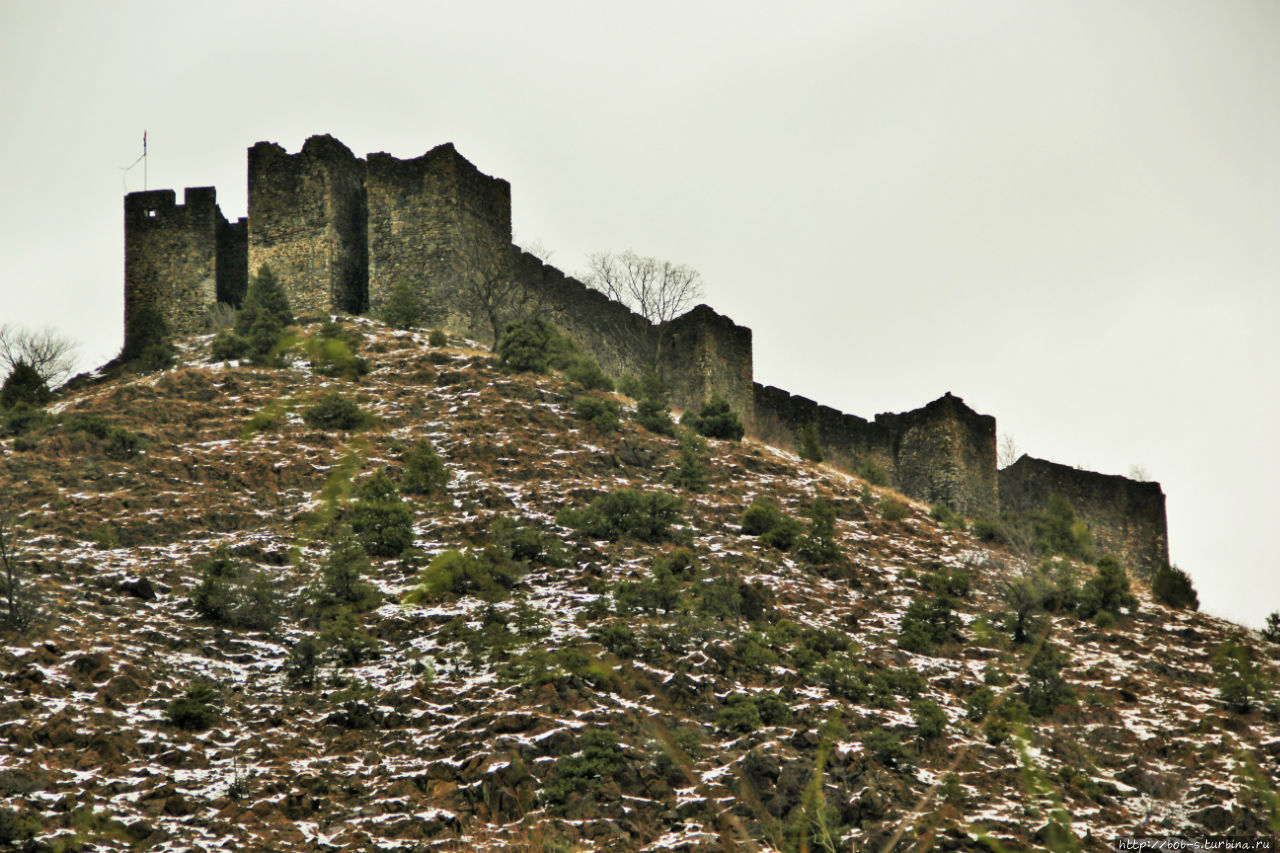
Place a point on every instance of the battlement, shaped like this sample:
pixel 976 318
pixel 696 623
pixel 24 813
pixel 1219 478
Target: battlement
pixel 180 260
pixel 340 232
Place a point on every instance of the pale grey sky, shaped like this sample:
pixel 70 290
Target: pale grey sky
pixel 1066 212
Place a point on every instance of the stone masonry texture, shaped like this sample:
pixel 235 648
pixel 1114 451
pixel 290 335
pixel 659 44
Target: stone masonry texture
pixel 340 232
pixel 1126 517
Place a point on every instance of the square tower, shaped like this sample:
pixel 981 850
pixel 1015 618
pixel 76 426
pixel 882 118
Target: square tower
pixel 307 222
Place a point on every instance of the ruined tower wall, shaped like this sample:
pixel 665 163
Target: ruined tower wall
pixel 946 453
pixel 233 261
pixel 435 221
pixel 847 441
pixel 1126 517
pixel 307 222
pixel 170 261
pixel 705 355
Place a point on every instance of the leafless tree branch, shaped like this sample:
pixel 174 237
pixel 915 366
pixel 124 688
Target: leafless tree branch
pixel 52 356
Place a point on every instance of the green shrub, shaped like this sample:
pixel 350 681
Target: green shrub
pixel 872 473
pixel 885 747
pixel 946 517
pixel 437 338
pixel 1271 633
pixel 819 545
pixel 715 420
pixel 980 703
pixel 586 372
pixel 535 346
pixel 646 516
pixel 1172 586
pixel 122 444
pixel 404 308
pixel 600 413
pixel 893 509
pixel 381 520
pixel 423 472
pixel 488 574
pixel 1058 531
pixel 1240 685
pixel 990 529
pixel 301 665
pixel 660 591
pixel 1046 689
pixel 928 623
pixel 232 593
pixel 930 719
pixel 598 759
pixel 743 713
pixel 341 582
pixel 335 412
pixel 1107 591
pixel 345 641
pixel 228 346
pixel 762 516
pixel 195 710
pixel 690 472
pixel 332 353
pixel 810 446
pixel 24 384
pixel 21 419
pixel 264 316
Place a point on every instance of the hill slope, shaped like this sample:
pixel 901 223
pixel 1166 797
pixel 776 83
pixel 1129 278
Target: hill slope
pixel 701 689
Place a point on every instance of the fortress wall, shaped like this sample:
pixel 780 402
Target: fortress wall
pixel 946 453
pixel 170 260
pixel 432 221
pixel 1126 517
pixel 846 440
pixel 619 339
pixel 705 355
pixel 307 221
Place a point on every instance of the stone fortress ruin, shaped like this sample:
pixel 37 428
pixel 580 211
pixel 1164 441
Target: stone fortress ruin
pixel 340 232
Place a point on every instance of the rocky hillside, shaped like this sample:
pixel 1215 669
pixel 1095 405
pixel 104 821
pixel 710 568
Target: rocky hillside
pixel 210 671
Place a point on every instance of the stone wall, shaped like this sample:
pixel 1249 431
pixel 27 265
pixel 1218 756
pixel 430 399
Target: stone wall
pixel 705 355
pixel 1126 517
pixel 945 452
pixel 233 261
pixel 942 453
pixel 307 222
pixel 433 220
pixel 170 260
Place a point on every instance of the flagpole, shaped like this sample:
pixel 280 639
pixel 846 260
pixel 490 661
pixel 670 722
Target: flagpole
pixel 144 160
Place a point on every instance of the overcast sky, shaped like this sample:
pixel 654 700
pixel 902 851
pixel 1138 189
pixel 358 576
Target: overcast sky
pixel 1065 212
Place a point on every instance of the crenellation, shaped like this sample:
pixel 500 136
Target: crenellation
pixel 340 232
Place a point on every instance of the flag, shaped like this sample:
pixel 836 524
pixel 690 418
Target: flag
pixel 144 142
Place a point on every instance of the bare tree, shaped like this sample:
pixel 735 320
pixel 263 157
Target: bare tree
pixel 490 293
pixel 657 290
pixel 50 354
pixel 1009 452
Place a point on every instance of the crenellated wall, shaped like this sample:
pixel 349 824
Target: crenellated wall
pixel 1126 517
pixel 307 222
pixel 171 260
pixel 340 232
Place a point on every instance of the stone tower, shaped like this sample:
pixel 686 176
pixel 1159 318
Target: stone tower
pixel 307 221
pixel 432 221
pixel 179 260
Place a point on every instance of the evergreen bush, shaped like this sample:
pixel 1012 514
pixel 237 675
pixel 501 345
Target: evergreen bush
pixel 489 574
pixel 195 710
pixel 437 338
pixel 586 372
pixel 930 719
pixel 1106 592
pixel 335 412
pixel 1046 688
pixel 405 307
pixel 232 593
pixel 690 472
pixel 715 419
pixel 423 472
pixel 380 519
pixel 535 346
pixel 1172 586
pixel 341 582
pixel 600 413
pixel 810 446
pixel 264 316
pixel 24 384
pixel 872 473
pixel 646 516
pixel 894 509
